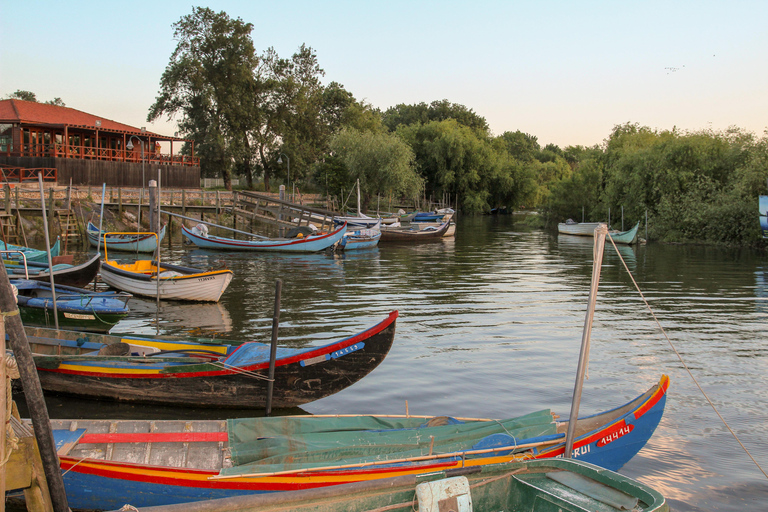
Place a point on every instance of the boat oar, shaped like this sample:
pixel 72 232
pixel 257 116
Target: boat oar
pixel 390 461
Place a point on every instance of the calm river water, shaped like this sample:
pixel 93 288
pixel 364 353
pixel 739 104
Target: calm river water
pixel 490 326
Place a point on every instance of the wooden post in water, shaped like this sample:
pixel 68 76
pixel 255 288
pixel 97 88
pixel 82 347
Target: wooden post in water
pixel 218 207
pixel 33 393
pixel 154 215
pixel 600 233
pixel 119 201
pixel 273 347
pixel 7 197
pixel 51 209
pixel 183 201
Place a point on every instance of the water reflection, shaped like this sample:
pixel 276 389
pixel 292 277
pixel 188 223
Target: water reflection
pixel 490 326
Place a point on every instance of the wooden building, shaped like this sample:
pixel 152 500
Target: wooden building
pixel 88 149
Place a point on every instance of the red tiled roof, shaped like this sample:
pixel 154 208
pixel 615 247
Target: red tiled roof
pixel 33 113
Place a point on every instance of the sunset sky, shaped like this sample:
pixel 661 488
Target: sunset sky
pixel 565 72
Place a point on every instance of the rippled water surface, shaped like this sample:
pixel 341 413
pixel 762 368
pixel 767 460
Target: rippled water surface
pixel 490 326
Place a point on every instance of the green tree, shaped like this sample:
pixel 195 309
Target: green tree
pixel 209 72
pixel 30 96
pixel 442 110
pixel 22 95
pixel 382 162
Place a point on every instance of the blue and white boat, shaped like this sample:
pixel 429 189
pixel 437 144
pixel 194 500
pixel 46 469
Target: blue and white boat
pixel 308 243
pixel 142 242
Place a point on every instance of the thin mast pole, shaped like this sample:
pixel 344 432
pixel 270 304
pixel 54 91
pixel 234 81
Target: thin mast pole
pixel 600 233
pixel 48 250
pixel 101 216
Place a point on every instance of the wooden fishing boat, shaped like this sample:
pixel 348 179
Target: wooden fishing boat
pixel 29 253
pixel 571 227
pixel 588 229
pixel 147 463
pixel 362 221
pixel 451 231
pixel 536 485
pixel 76 308
pixel 361 238
pixel 141 242
pixel 170 372
pixel 628 237
pixel 309 243
pixel 414 234
pixel 176 282
pixel 64 274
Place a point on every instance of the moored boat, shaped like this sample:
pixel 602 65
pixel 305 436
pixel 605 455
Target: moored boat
pixel 414 234
pixel 29 253
pixel 64 274
pixel 139 242
pixel 361 238
pixel 176 282
pixel 564 485
pixel 76 308
pixel 571 227
pixel 146 463
pixel 300 243
pixel 177 372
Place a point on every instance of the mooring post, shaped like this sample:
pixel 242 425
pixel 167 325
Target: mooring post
pixel 120 201
pixel 7 196
pixel 183 201
pixel 154 216
pixel 273 347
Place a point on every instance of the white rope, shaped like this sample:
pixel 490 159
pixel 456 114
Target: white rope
pixel 683 362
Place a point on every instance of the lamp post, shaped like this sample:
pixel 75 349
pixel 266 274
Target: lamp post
pixel 280 161
pixel 129 147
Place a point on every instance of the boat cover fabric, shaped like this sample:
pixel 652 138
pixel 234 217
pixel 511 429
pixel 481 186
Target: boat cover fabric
pixel 266 445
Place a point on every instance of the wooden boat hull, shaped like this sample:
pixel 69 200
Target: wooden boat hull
pixel 76 308
pixel 566 485
pixel 74 275
pixel 237 380
pixel 131 243
pixel 31 254
pixel 588 229
pixel 311 243
pixel 578 228
pixel 194 285
pixel 413 235
pixel 610 440
pixel 360 239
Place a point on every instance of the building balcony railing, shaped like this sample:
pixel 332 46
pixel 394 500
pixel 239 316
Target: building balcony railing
pixel 61 150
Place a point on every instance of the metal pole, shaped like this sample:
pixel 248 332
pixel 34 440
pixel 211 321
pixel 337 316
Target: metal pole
pixel 48 250
pixel 273 347
pixel 600 233
pixel 101 217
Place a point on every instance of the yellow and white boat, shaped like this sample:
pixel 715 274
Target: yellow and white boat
pixel 176 282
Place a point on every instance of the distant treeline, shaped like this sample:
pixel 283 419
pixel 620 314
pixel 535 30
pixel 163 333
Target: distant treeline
pixel 262 117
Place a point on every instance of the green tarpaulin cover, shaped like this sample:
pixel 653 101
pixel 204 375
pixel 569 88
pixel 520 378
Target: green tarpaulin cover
pixel 266 445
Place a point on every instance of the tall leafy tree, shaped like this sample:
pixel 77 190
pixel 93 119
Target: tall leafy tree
pixel 441 110
pixel 205 81
pixel 382 162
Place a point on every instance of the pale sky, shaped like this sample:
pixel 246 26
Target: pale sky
pixel 563 71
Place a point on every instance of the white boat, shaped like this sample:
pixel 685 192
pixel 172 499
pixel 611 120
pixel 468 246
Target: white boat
pixel 176 282
pixel 571 227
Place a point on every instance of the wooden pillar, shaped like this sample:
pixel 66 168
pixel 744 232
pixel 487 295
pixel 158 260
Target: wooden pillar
pixel 120 201
pixel 218 206
pixel 154 218
pixel 7 196
pixel 184 201
pixel 51 210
